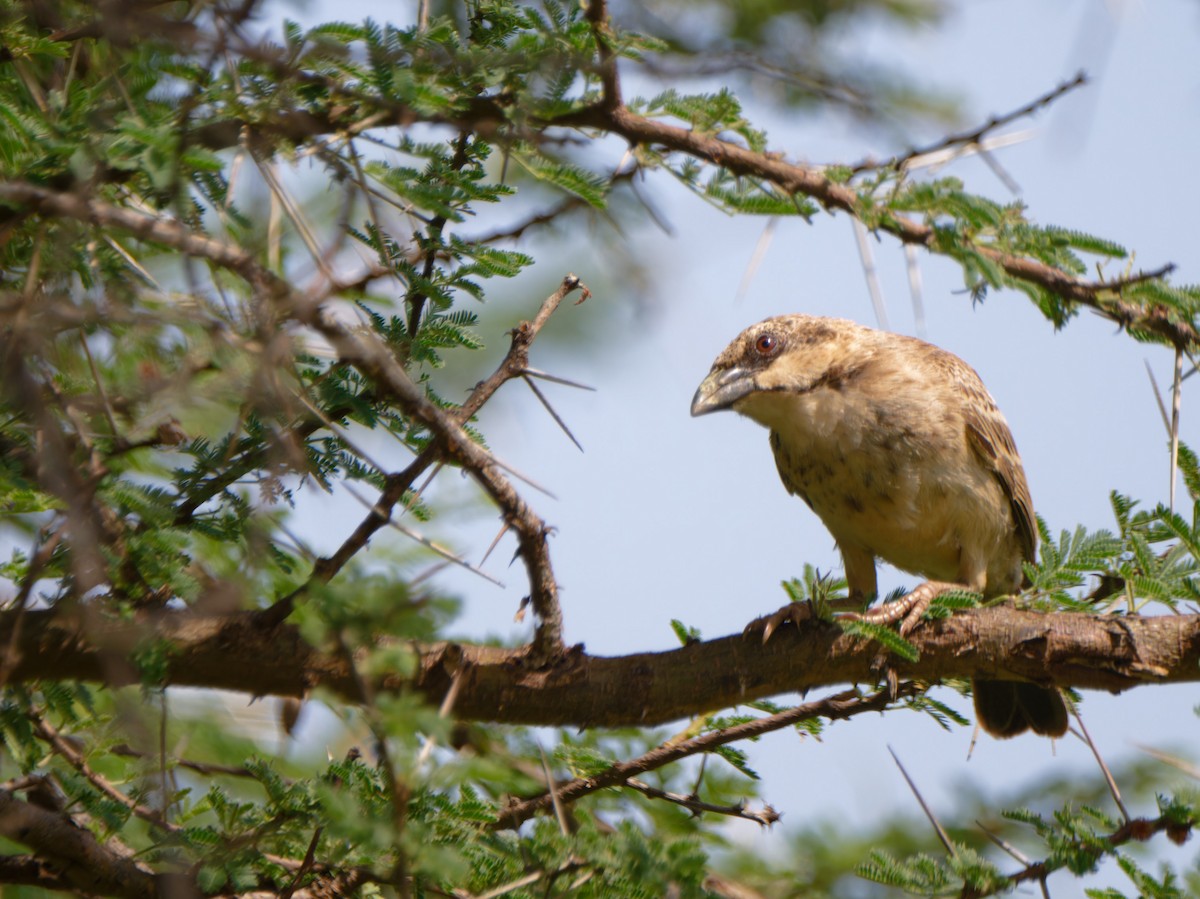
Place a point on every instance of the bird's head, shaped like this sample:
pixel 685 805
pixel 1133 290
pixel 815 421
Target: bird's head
pixel 788 355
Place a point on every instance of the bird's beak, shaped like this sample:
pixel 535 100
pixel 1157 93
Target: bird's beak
pixel 721 389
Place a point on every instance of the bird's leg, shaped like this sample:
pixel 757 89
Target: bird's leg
pixel 907 609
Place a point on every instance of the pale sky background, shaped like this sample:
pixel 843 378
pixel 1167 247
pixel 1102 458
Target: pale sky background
pixel 669 517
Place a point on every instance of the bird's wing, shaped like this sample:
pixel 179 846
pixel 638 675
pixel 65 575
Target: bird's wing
pixel 992 441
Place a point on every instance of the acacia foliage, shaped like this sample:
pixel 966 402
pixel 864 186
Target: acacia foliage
pixel 178 334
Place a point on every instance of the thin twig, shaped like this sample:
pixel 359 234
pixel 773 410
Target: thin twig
pixel 124 749
pixel 841 705
pixel 100 391
pixel 310 857
pixel 766 816
pixel 299 222
pixel 397 788
pixel 999 171
pixel 811 181
pixel 516 361
pixel 75 759
pixel 395 486
pixel 596 12
pixel 37 563
pixel 548 636
pixel 975 135
pixel 1139 829
pixel 433 239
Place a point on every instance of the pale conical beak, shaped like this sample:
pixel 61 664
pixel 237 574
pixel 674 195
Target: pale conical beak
pixel 721 389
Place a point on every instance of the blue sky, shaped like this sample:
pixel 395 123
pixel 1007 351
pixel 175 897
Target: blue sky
pixel 669 517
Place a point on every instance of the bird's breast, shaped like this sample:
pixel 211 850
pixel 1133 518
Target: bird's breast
pixel 880 482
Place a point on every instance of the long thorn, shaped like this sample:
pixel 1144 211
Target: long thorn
pixel 999 171
pixel 1167 759
pixel 520 476
pixel 338 430
pixel 406 506
pixel 867 257
pixel 1176 405
pixel 443 712
pixel 1112 784
pixel 558 420
pixel 559 811
pixel 428 573
pixel 442 551
pixel 495 542
pixel 1162 407
pixel 546 376
pixel 756 259
pixel 924 807
pixel 915 288
pixel 1003 844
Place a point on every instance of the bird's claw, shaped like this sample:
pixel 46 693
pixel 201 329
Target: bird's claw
pixel 796 613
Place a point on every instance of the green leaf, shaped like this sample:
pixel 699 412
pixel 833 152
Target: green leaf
pixel 684 633
pixel 587 185
pixel 881 634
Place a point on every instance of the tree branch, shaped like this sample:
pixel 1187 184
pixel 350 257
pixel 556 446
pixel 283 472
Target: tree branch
pixel 841 705
pixel 976 135
pixel 78 859
pixel 1137 829
pixel 811 181
pixel 240 652
pixel 766 816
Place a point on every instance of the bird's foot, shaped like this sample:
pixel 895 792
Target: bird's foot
pixel 796 613
pixel 801 612
pixel 907 609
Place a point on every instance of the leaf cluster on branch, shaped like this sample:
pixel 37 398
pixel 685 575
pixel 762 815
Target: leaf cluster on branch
pixel 189 344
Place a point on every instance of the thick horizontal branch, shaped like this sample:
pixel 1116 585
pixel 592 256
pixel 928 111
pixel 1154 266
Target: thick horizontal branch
pixel 245 653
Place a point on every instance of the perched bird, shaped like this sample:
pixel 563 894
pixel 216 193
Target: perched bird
pixel 901 451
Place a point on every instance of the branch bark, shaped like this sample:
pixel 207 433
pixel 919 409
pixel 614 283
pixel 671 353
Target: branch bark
pixel 811 181
pixel 78 859
pixel 247 653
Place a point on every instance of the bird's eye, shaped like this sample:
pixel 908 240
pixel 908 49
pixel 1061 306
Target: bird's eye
pixel 766 344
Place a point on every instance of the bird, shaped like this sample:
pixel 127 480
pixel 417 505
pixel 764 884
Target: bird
pixel 902 453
